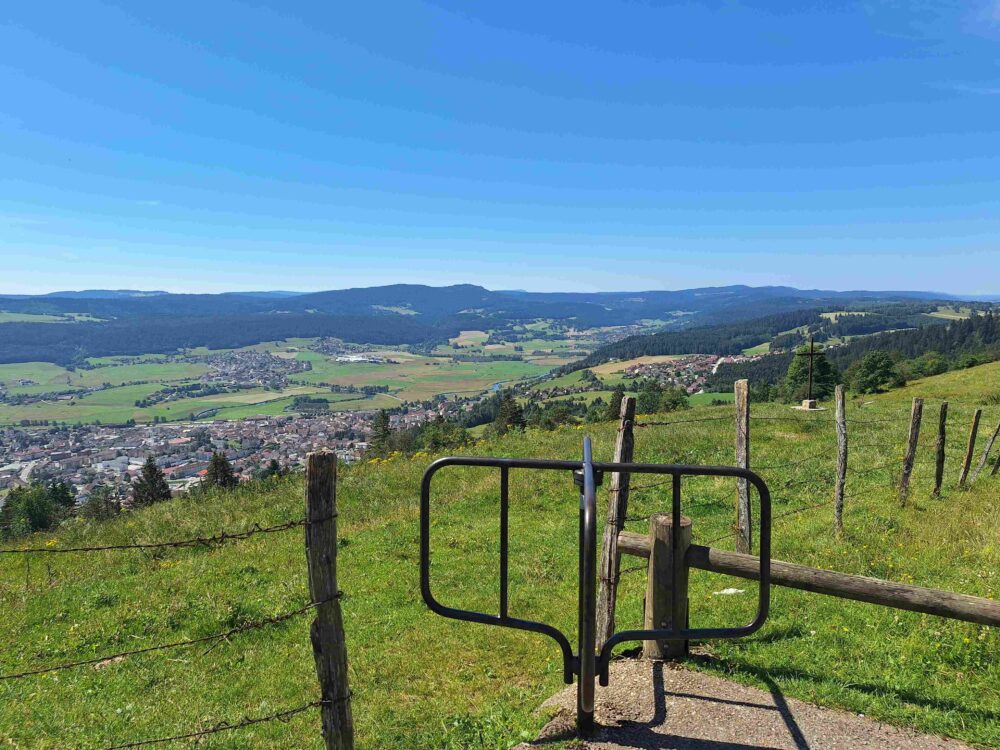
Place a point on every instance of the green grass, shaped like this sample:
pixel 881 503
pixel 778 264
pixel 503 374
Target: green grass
pixel 949 312
pixel 412 378
pixel 704 399
pixel 759 349
pixel 421 681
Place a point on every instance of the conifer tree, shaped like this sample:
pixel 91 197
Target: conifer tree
pixel 220 473
pixel 381 434
pixel 151 486
pixel 615 405
pixel 510 415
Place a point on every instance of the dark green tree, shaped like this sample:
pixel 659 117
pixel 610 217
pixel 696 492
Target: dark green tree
pixel 649 399
pixel 61 494
pixel 510 415
pixel 876 372
pixel 381 434
pixel 614 409
pixel 674 398
pixel 151 486
pixel 796 385
pixel 28 509
pixel 102 504
pixel 220 473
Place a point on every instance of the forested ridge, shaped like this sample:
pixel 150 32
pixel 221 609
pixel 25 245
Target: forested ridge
pixel 960 343
pixel 62 343
pixel 731 338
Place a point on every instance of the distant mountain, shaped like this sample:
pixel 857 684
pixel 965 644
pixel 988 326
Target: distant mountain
pixel 276 294
pixel 412 313
pixel 106 294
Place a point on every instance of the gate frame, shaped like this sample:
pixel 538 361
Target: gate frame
pixel 587 664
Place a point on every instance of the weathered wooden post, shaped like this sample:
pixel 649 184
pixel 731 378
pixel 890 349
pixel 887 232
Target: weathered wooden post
pixel 838 492
pixel 660 584
pixel 744 521
pixel 970 449
pixel 329 646
pixel 939 457
pixel 986 453
pixel 916 414
pixel 617 511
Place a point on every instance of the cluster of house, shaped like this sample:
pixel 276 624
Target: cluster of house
pixel 250 367
pixel 689 372
pixel 90 456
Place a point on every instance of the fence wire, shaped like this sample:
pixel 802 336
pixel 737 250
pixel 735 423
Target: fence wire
pixel 254 625
pixel 201 541
pixel 225 726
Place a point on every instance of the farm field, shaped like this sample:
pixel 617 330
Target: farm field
pixel 951 312
pixel 413 377
pixel 420 681
pixel 11 317
pixel 759 349
pixel 614 368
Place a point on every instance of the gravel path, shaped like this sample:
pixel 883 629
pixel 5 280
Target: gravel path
pixel 657 706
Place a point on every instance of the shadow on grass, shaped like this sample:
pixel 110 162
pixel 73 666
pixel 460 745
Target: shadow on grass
pixel 903 696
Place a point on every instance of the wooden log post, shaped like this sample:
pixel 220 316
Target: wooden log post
pixel 838 491
pixel 617 511
pixel 660 583
pixel 996 466
pixel 744 521
pixel 916 413
pixel 329 646
pixel 970 448
pixel 939 454
pixel 986 454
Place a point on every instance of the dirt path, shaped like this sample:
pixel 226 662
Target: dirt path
pixel 654 706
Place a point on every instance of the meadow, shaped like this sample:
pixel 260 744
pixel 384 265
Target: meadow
pixel 411 377
pixel 420 681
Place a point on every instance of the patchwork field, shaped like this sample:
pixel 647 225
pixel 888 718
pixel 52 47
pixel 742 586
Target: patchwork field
pixel 409 377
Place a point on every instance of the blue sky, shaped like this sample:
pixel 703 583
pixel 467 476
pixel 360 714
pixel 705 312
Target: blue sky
pixel 195 146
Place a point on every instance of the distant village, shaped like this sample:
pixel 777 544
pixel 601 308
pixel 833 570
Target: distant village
pixel 89 456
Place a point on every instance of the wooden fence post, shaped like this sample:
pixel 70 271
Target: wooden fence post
pixel 838 492
pixel 939 458
pixel 329 647
pixel 916 413
pixel 971 448
pixel 744 522
pixel 996 466
pixel 986 453
pixel 660 584
pixel 617 511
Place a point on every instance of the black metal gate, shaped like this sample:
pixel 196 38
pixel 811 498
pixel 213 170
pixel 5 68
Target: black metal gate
pixel 587 664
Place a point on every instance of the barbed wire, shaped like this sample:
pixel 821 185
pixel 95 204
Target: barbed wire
pixel 253 625
pixel 225 726
pixel 683 421
pixel 201 541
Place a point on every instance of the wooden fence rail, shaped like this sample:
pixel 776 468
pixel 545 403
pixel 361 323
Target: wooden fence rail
pixel 831 583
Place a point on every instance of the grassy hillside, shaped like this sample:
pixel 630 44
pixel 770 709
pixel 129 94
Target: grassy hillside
pixel 424 682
